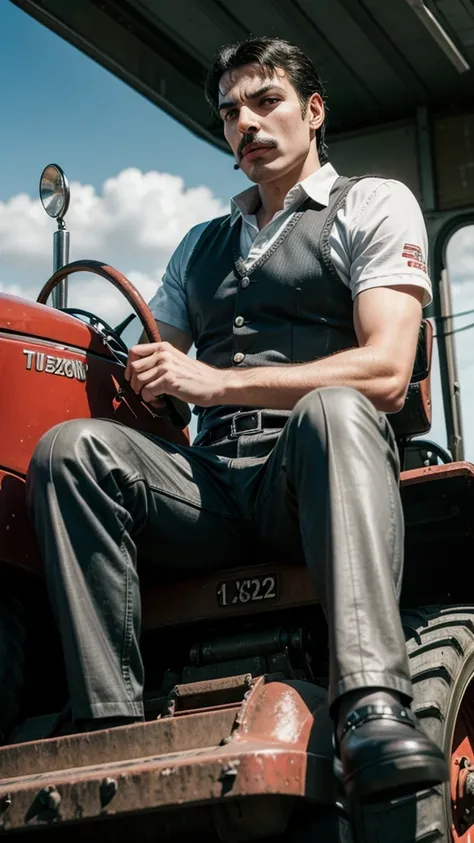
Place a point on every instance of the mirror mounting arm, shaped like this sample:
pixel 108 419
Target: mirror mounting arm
pixel 60 259
pixel 54 194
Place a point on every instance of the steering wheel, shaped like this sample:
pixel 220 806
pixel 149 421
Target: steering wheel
pixel 178 411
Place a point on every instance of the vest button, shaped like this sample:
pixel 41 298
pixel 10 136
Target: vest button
pixel 239 321
pixel 245 282
pixel 238 357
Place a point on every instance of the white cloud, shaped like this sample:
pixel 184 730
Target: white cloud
pixel 134 224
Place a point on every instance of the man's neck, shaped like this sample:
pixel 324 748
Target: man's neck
pixel 273 194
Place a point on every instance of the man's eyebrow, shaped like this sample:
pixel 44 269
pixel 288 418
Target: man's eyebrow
pixel 255 95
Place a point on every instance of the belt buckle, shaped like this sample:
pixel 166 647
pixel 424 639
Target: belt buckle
pixel 234 432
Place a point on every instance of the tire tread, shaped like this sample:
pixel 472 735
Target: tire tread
pixel 440 639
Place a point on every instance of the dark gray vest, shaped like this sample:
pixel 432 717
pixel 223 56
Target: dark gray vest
pixel 289 307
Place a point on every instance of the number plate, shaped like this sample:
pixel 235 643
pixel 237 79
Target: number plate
pixel 253 590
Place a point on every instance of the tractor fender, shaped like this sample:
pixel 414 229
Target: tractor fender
pixel 292 718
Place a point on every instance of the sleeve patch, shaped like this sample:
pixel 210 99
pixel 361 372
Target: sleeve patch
pixel 414 256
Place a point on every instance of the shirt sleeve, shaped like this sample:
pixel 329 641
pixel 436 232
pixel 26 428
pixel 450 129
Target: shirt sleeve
pixel 169 304
pixel 388 241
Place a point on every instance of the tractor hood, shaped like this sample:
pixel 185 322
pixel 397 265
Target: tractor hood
pixel 23 317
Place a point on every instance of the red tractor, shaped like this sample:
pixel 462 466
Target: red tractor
pixel 237 743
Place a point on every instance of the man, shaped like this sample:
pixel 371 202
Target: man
pixel 307 264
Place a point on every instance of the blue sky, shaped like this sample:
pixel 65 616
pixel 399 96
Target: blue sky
pixel 58 105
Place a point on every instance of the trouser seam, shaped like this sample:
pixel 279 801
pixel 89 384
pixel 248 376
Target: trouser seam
pixel 393 549
pixel 347 532
pixel 128 628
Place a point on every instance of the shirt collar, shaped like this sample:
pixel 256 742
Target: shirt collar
pixel 317 186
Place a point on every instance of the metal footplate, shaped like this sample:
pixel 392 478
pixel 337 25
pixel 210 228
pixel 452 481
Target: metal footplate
pixel 260 738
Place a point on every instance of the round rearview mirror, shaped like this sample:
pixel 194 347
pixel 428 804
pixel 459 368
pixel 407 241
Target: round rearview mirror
pixel 54 191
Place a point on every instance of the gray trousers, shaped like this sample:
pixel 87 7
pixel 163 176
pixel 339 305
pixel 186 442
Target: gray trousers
pixel 103 496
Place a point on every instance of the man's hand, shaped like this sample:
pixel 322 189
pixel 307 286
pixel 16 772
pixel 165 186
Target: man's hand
pixel 155 369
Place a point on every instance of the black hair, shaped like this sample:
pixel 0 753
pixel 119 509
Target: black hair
pixel 270 54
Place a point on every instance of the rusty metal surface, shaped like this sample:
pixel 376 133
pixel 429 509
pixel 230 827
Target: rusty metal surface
pixel 188 778
pixel 114 745
pixel 209 693
pixel 276 742
pixel 437 472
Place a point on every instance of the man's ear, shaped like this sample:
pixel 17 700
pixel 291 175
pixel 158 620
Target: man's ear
pixel 316 111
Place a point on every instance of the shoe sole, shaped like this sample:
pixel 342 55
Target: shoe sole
pixel 398 776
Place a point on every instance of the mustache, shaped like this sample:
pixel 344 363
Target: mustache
pixel 260 139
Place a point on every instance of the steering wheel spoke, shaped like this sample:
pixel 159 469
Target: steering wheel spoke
pixel 100 325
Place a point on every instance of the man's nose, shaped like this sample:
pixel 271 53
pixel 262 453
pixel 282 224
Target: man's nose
pixel 248 122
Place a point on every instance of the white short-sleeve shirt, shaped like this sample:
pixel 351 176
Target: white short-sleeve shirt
pixel 378 239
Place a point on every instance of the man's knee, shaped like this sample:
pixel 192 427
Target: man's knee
pixel 66 444
pixel 332 405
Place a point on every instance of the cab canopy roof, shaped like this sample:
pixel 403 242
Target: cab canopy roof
pixel 392 69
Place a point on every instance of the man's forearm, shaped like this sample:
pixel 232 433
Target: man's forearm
pixel 280 387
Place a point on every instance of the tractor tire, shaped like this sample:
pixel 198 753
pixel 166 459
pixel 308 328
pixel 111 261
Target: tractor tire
pixel 440 642
pixel 12 657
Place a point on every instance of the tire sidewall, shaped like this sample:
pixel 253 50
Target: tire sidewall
pixel 460 685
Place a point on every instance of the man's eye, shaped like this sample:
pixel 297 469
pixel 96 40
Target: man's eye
pixel 270 100
pixel 229 115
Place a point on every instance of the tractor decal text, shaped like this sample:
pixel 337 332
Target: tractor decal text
pixel 50 365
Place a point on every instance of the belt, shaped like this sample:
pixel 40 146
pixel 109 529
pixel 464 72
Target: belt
pixel 249 421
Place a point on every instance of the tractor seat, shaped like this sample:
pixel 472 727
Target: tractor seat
pixel 266 587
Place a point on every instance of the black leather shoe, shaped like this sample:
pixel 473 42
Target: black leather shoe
pixel 384 754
